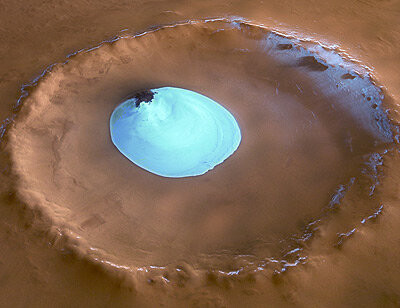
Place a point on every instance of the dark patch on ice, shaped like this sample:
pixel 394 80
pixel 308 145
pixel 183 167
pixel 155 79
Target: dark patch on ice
pixel 143 96
pixel 285 46
pixel 312 63
pixel 348 76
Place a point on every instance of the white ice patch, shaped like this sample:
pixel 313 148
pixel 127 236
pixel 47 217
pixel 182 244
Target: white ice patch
pixel 179 133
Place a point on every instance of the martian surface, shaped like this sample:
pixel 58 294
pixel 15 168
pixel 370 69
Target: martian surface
pixel 217 154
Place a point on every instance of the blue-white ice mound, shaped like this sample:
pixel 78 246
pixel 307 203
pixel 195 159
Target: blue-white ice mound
pixel 174 132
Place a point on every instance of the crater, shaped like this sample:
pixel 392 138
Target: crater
pixel 306 136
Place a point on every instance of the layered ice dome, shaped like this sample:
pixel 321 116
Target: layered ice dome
pixel 174 132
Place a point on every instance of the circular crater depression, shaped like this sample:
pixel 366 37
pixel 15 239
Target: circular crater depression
pixel 306 126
